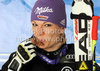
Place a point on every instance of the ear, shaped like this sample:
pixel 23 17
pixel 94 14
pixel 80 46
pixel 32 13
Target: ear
pixel 62 30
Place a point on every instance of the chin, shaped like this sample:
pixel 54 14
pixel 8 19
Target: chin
pixel 43 46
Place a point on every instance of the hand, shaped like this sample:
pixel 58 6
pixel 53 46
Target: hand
pixel 24 54
pixel 26 51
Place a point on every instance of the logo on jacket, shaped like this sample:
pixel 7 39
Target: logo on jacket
pixel 43 10
pixel 83 66
pixel 67 68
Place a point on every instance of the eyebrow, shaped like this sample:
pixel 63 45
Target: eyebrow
pixel 43 22
pixel 33 21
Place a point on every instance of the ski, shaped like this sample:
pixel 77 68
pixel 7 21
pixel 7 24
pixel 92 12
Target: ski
pixel 82 13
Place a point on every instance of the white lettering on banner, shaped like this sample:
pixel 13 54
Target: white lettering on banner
pixel 42 10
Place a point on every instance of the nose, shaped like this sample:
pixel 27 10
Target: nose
pixel 40 31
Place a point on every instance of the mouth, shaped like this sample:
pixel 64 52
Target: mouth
pixel 37 42
pixel 42 40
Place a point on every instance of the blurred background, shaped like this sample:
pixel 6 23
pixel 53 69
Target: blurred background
pixel 15 25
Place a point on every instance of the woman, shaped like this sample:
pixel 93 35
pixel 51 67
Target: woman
pixel 46 50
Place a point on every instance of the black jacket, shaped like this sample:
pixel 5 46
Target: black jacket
pixel 66 62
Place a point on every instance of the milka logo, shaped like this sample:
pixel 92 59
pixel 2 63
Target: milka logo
pixel 43 10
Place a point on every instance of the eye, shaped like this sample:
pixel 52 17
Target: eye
pixel 47 25
pixel 34 24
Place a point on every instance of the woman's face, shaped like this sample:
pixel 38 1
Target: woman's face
pixel 48 33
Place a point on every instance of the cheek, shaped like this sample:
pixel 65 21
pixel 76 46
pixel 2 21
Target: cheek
pixel 53 38
pixel 56 37
pixel 53 33
pixel 34 31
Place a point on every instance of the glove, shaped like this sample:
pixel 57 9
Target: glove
pixel 26 51
pixel 24 54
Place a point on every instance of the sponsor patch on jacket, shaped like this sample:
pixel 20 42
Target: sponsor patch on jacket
pixel 42 17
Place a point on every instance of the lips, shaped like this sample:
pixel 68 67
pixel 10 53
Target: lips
pixel 37 41
pixel 42 40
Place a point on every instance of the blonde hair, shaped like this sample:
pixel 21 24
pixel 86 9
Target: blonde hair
pixel 63 38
